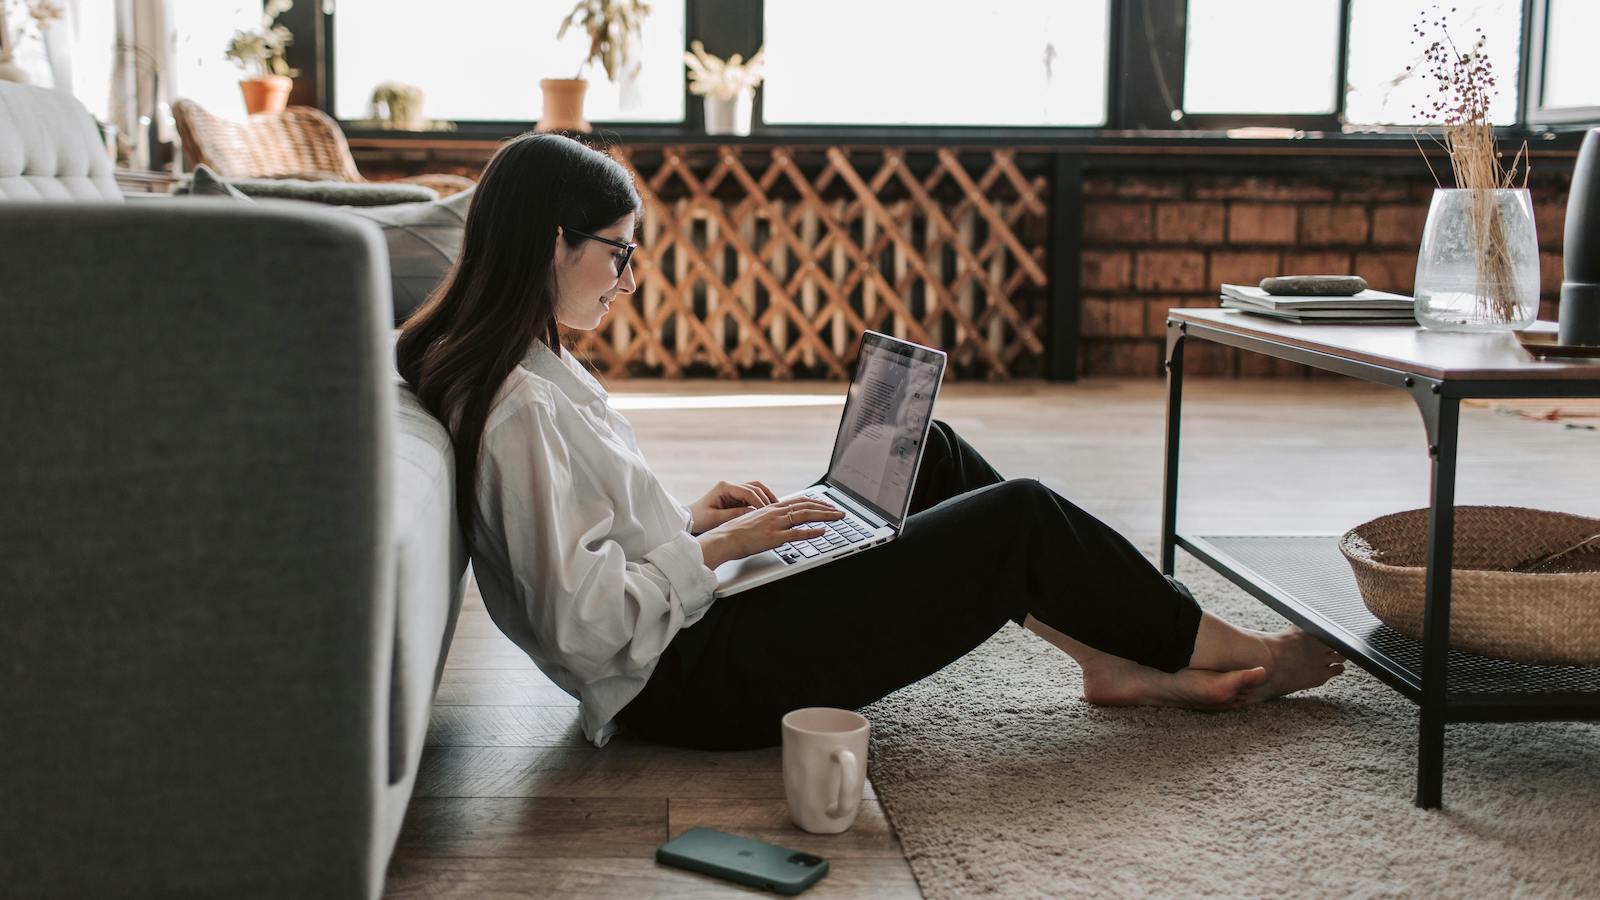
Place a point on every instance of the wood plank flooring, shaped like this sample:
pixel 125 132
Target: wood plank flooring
pixel 510 801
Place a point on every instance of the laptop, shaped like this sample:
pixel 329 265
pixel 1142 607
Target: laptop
pixel 876 455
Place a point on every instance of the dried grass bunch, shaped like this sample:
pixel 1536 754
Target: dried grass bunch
pixel 614 28
pixel 40 14
pixel 1464 84
pixel 724 79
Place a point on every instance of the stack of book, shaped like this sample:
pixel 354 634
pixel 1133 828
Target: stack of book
pixel 1367 307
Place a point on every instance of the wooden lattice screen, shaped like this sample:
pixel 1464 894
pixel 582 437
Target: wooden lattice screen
pixel 771 261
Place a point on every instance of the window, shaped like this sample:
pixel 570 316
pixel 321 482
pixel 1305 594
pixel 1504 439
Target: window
pixel 1380 90
pixel 482 59
pixel 1571 65
pixel 91 45
pixel 1261 56
pixel 893 62
pixel 201 30
pixel 1310 65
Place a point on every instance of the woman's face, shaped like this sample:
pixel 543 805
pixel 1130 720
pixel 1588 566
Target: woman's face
pixel 587 276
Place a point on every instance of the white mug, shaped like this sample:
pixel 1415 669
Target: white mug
pixel 824 767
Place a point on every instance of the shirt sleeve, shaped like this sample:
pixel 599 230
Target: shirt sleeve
pixel 591 609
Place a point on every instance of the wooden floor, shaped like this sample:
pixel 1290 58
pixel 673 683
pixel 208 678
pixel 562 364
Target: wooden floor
pixel 511 801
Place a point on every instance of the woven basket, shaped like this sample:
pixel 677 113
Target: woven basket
pixel 1526 582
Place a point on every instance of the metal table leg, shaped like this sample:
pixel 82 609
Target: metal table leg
pixel 1441 416
pixel 1169 485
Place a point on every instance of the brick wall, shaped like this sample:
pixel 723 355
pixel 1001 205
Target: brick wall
pixel 1156 241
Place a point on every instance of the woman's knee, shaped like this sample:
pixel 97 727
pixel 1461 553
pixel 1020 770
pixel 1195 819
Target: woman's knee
pixel 1027 490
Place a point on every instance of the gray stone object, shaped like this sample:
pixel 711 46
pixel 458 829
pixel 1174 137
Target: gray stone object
pixel 1579 314
pixel 1314 285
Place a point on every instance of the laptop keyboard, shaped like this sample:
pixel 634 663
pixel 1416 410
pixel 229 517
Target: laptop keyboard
pixel 840 533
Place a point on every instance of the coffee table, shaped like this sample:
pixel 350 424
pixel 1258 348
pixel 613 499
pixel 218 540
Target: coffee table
pixel 1306 579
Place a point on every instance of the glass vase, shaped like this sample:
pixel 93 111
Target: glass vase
pixel 1478 269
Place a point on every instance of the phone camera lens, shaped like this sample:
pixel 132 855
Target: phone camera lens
pixel 805 859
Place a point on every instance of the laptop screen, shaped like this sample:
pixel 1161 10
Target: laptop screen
pixel 885 421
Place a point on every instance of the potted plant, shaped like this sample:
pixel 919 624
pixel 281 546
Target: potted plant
pixel 729 87
pixel 399 105
pixel 258 52
pixel 613 27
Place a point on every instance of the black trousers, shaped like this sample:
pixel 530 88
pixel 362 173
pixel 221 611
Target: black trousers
pixel 977 551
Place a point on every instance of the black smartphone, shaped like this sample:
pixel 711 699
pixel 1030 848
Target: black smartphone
pixel 755 863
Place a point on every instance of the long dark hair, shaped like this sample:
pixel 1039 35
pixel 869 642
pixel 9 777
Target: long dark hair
pixel 457 348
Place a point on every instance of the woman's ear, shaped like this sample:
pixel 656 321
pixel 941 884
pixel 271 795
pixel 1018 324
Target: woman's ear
pixel 556 251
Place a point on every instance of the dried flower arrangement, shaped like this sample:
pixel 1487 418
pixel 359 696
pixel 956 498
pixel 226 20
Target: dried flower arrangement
pixel 1464 84
pixel 614 27
pixel 40 12
pixel 259 51
pixel 724 80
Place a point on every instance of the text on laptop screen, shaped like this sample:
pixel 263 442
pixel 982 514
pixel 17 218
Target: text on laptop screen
pixel 885 419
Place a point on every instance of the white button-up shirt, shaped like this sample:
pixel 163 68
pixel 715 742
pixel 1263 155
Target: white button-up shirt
pixel 583 557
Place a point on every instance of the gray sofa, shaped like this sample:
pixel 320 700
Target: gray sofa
pixel 229 566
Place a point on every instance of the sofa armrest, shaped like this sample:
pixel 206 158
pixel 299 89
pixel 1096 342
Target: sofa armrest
pixel 196 562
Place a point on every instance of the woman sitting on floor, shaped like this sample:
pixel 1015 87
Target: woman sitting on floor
pixel 604 579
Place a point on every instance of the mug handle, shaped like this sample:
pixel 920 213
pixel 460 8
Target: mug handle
pixel 849 770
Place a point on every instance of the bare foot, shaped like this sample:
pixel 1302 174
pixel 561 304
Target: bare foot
pixel 1244 667
pixel 1298 661
pixel 1121 682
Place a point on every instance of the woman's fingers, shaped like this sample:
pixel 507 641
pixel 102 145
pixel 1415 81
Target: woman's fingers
pixel 764 491
pixel 799 502
pixel 796 515
pixel 755 490
pixel 797 511
pixel 747 495
pixel 731 495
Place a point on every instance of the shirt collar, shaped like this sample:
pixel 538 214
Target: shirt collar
pixel 564 371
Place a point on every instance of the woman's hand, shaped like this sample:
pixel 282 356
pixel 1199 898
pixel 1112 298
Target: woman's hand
pixel 727 501
pixel 770 526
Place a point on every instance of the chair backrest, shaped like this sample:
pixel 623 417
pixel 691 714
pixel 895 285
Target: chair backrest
pixel 300 141
pixel 50 148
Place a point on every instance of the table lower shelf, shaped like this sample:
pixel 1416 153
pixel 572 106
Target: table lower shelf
pixel 1305 579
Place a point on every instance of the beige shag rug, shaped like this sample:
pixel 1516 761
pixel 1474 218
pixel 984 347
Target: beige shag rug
pixel 1001 782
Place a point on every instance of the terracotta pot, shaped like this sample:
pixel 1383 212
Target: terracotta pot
pixel 267 94
pixel 563 105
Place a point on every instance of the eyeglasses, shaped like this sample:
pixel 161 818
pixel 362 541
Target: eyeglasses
pixel 627 247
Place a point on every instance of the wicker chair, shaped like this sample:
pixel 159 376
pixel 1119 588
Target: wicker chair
pixel 300 142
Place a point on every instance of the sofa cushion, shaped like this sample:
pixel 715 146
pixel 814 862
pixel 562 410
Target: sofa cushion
pixel 423 239
pixel 336 193
pixel 50 148
pixel 430 560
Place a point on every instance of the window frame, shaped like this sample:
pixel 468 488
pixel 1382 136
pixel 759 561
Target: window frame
pixel 1147 40
pixel 1332 121
pixel 1535 112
